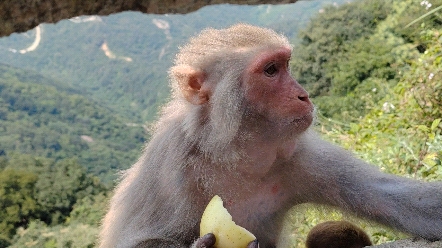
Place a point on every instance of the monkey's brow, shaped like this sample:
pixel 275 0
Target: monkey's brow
pixel 243 49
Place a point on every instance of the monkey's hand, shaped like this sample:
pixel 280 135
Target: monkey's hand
pixel 209 240
pixel 206 241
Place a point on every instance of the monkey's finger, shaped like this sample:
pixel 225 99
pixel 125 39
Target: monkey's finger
pixel 253 244
pixel 206 241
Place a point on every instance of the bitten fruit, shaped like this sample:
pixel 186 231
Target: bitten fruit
pixel 217 220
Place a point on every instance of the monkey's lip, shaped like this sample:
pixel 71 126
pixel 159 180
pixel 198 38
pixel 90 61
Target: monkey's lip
pixel 304 113
pixel 304 118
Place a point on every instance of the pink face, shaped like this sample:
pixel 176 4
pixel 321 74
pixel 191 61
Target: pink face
pixel 273 92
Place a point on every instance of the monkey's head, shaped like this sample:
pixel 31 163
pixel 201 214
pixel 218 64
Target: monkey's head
pixel 240 75
pixel 337 234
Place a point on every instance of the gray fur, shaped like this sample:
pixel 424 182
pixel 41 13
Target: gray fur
pixel 259 167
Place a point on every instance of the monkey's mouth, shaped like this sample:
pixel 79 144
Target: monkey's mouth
pixel 306 119
pixel 303 112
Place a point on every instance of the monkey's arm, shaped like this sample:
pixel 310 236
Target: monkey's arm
pixel 341 180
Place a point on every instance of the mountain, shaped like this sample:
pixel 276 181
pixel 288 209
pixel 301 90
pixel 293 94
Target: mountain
pixel 121 60
pixel 45 118
pixel 84 87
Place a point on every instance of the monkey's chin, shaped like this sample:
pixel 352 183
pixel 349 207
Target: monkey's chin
pixel 303 122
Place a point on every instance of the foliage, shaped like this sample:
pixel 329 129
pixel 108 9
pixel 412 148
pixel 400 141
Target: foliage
pixel 41 189
pixel 89 210
pixel 406 128
pixel 329 34
pixel 37 118
pixel 347 77
pixel 400 130
pixel 38 234
pixel 80 229
pixel 17 201
pixel 413 33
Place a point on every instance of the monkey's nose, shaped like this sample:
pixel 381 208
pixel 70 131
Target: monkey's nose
pixel 304 98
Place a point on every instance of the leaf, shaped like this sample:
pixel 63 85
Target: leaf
pixel 430 160
pixel 423 16
pixel 435 124
pixel 423 128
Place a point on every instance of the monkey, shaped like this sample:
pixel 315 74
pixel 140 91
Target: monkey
pixel 237 125
pixel 337 234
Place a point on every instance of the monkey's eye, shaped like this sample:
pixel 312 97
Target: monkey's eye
pixel 270 70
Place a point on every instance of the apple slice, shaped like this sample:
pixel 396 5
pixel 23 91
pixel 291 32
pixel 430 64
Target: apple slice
pixel 217 220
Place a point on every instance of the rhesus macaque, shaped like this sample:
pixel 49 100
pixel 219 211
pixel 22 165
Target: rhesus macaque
pixel 238 126
pixel 337 234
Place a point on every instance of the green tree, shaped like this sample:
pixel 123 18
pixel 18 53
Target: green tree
pixel 403 134
pixel 46 190
pixel 38 234
pixel 89 210
pixel 401 131
pixel 46 121
pixel 60 186
pixel 413 33
pixel 17 201
pixel 326 37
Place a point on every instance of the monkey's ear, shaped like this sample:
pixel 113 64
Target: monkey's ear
pixel 191 83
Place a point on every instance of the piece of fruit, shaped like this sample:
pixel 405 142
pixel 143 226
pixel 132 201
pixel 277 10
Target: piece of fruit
pixel 217 220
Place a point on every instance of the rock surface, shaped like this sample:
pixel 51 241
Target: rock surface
pixel 20 16
pixel 410 243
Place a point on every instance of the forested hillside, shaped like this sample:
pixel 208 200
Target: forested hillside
pixel 90 84
pixel 45 118
pixel 75 104
pixel 350 57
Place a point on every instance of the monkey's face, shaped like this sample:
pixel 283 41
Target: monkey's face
pixel 273 94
